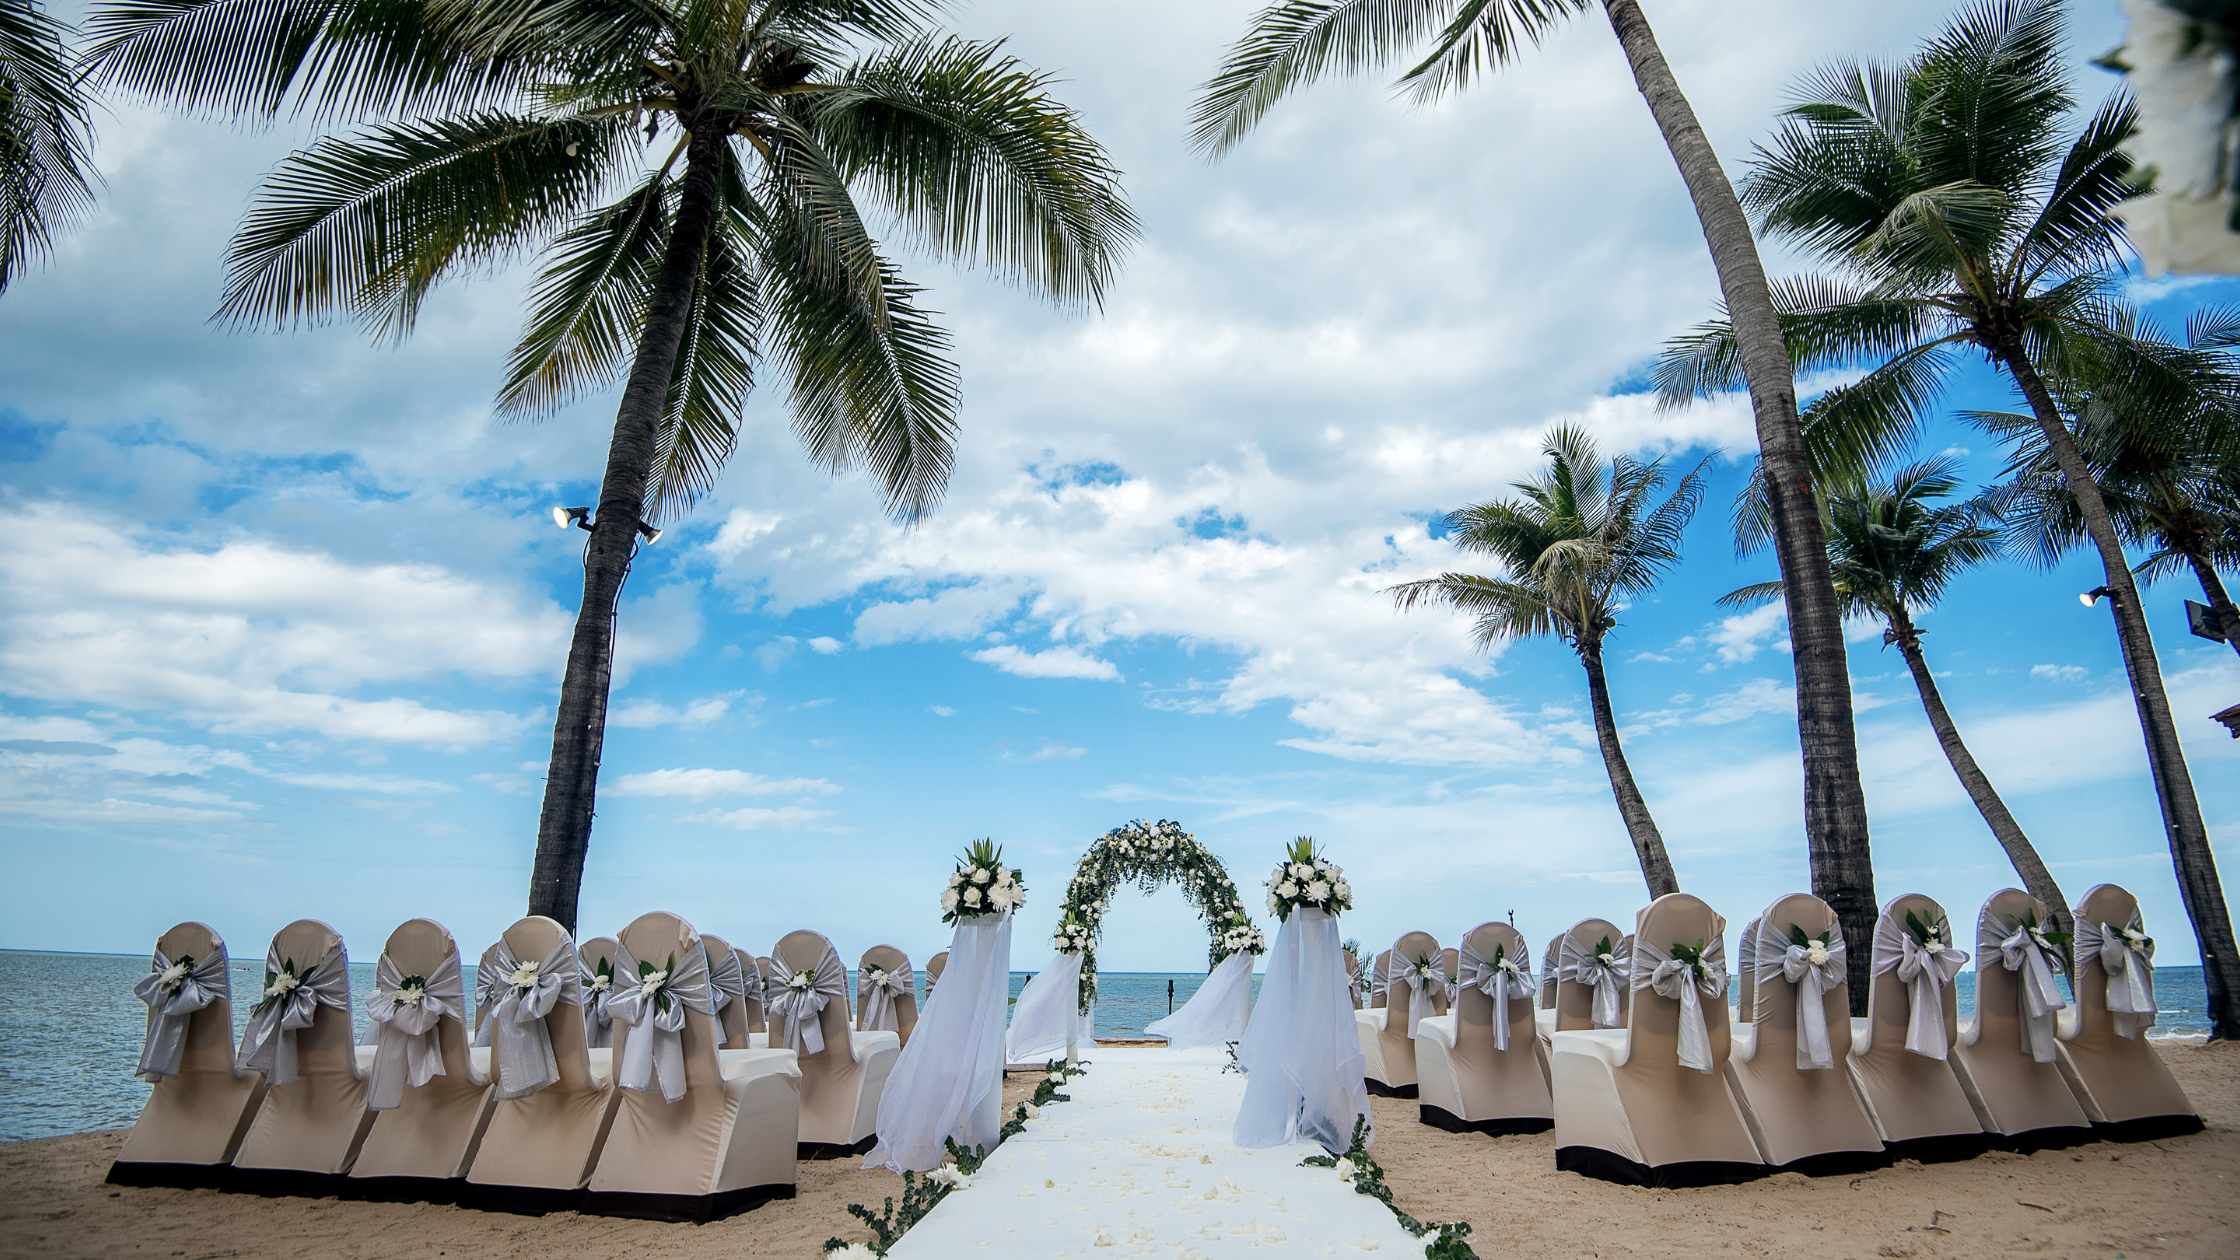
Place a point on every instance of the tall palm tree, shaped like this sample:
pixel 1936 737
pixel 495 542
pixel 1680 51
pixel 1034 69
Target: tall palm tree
pixel 1582 538
pixel 46 137
pixel 1294 42
pixel 1894 549
pixel 1963 215
pixel 700 176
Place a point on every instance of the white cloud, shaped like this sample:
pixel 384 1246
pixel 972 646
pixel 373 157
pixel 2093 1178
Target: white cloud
pixel 705 784
pixel 2058 673
pixel 655 715
pixel 1057 662
pixel 959 612
pixel 761 818
pixel 941 710
pixel 1052 750
pixel 1740 637
pixel 825 645
pixel 371 784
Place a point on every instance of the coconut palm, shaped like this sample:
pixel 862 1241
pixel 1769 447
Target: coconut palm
pixel 1294 42
pixel 701 176
pixel 46 138
pixel 1582 538
pixel 1964 214
pixel 1894 549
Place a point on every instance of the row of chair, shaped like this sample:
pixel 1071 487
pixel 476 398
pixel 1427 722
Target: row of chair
pixel 1624 1044
pixel 642 1075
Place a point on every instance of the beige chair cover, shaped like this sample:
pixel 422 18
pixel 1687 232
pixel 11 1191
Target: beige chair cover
pixel 1386 1033
pixel 1357 979
pixel 599 983
pixel 934 967
pixel 1590 993
pixel 1914 1096
pixel 416 1149
pixel 198 1111
pixel 897 1012
pixel 727 1144
pixel 1626 1109
pixel 1467 1080
pixel 539 1148
pixel 1377 969
pixel 842 1082
pixel 1449 963
pixel 2005 1055
pixel 308 1130
pixel 727 980
pixel 2124 1086
pixel 1802 1118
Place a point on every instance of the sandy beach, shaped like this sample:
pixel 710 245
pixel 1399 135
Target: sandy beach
pixel 2175 1197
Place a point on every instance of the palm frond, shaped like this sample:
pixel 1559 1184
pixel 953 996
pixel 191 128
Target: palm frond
pixel 1291 43
pixel 588 307
pixel 1483 36
pixel 714 374
pixel 47 175
pixel 2076 229
pixel 1499 608
pixel 1751 596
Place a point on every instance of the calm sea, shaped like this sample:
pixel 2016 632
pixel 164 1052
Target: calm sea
pixel 70 1028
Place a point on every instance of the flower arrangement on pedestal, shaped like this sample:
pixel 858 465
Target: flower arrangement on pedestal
pixel 1147 855
pixel 1306 878
pixel 982 885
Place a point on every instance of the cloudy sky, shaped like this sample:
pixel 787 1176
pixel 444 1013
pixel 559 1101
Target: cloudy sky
pixel 285 614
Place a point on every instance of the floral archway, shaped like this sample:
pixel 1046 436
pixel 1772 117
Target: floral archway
pixel 1147 855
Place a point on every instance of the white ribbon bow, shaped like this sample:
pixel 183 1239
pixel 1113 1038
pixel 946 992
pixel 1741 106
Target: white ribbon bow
pixel 801 1007
pixel 1607 979
pixel 652 1006
pixel 268 1044
pixel 1811 979
pixel 727 981
pixel 514 1027
pixel 882 989
pixel 1671 978
pixel 174 991
pixel 1502 981
pixel 1925 972
pixel 2129 964
pixel 406 1047
pixel 598 1024
pixel 1419 987
pixel 2037 997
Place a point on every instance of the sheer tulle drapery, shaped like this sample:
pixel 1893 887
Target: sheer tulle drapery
pixel 949 1080
pixel 1048 1021
pixel 1218 1012
pixel 1301 1058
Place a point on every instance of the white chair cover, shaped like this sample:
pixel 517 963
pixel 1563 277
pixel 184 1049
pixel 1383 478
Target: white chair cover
pixel 1607 979
pixel 405 1048
pixel 653 1007
pixel 1302 1059
pixel 1811 979
pixel 2037 996
pixel 2129 964
pixel 727 981
pixel 598 1022
pixel 882 987
pixel 1510 978
pixel 1674 979
pixel 1402 971
pixel 1925 975
pixel 513 1025
pixel 949 1081
pixel 799 1008
pixel 268 1044
pixel 1217 1013
pixel 174 990
pixel 1048 1015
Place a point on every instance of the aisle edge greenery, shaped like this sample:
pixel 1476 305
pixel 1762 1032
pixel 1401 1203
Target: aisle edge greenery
pixel 1447 1240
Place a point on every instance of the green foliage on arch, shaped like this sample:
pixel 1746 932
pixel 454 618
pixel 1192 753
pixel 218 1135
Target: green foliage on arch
pixel 1145 855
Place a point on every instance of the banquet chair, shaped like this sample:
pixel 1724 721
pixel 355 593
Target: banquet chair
pixel 552 1105
pixel 1478 1066
pixel 727 981
pixel 426 1127
pixel 1900 1056
pixel 698 1133
pixel 1387 1033
pixel 1377 977
pixel 200 1107
pixel 1449 961
pixel 1648 1103
pixel 886 992
pixel 843 1071
pixel 934 967
pixel 599 983
pixel 1786 1062
pixel 1746 973
pixel 2124 1086
pixel 2006 1055
pixel 308 1129
pixel 1588 994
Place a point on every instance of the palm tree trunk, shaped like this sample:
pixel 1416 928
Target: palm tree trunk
pixel 579 731
pixel 2020 852
pixel 2220 603
pixel 2198 885
pixel 1835 805
pixel 1648 843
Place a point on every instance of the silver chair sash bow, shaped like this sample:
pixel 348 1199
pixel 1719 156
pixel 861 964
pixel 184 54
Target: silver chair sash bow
pixel 268 1044
pixel 598 1023
pixel 2129 965
pixel 883 989
pixel 801 1006
pixel 1607 979
pixel 1510 978
pixel 1811 971
pixel 652 1006
pixel 174 991
pixel 1672 978
pixel 406 1045
pixel 1419 988
pixel 1925 974
pixel 2037 997
pixel 515 998
pixel 727 981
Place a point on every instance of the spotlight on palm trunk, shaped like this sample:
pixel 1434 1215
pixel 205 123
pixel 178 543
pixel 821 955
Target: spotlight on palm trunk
pixel 2095 595
pixel 580 517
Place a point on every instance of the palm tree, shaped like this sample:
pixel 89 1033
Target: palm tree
pixel 46 138
pixel 1961 215
pixel 1894 550
pixel 1293 42
pixel 699 174
pixel 1584 537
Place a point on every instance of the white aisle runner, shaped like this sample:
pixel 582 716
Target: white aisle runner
pixel 1140 1163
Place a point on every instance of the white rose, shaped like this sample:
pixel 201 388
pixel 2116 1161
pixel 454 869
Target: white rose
pixel 173 976
pixel 955 878
pixel 652 980
pixel 523 976
pixel 1287 890
pixel 282 985
pixel 1347 1170
pixel 949 900
pixel 980 875
pixel 1000 897
pixel 601 982
pixel 1318 891
pixel 1300 870
pixel 799 981
pixel 972 896
pixel 410 995
pixel 1606 959
pixel 1816 955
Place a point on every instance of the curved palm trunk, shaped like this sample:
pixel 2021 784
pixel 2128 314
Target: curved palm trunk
pixel 2020 852
pixel 579 731
pixel 1835 805
pixel 2220 603
pixel 2198 884
pixel 1648 843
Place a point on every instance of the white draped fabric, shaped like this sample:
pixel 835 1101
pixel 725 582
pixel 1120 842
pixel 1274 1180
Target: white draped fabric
pixel 1501 981
pixel 2126 954
pixel 2034 966
pixel 1302 1059
pixel 1606 974
pixel 174 989
pixel 598 1023
pixel 1669 977
pixel 515 999
pixel 653 1006
pixel 1925 972
pixel 727 981
pixel 406 1050
pixel 1404 972
pixel 1048 1022
pixel 798 999
pixel 1217 1013
pixel 268 1044
pixel 949 1081
pixel 1810 973
pixel 882 987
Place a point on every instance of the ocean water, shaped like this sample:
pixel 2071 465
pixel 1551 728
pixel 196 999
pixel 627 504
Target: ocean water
pixel 70 1028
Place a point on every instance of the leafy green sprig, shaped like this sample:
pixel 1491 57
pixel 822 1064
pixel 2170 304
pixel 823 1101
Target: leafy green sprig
pixel 1447 1241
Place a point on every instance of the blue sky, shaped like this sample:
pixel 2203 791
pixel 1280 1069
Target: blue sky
pixel 286 613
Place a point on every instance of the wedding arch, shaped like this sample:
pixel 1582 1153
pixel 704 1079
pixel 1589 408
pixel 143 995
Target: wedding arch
pixel 1145 855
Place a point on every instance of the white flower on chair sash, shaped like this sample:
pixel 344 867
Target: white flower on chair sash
pixel 2022 948
pixel 1500 980
pixel 727 981
pixel 290 1001
pixel 514 1027
pixel 1606 974
pixel 1811 968
pixel 882 988
pixel 2127 955
pixel 1687 983
pixel 598 1024
pixel 798 998
pixel 174 991
pixel 1926 969
pixel 405 1019
pixel 652 1005
pixel 1410 973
